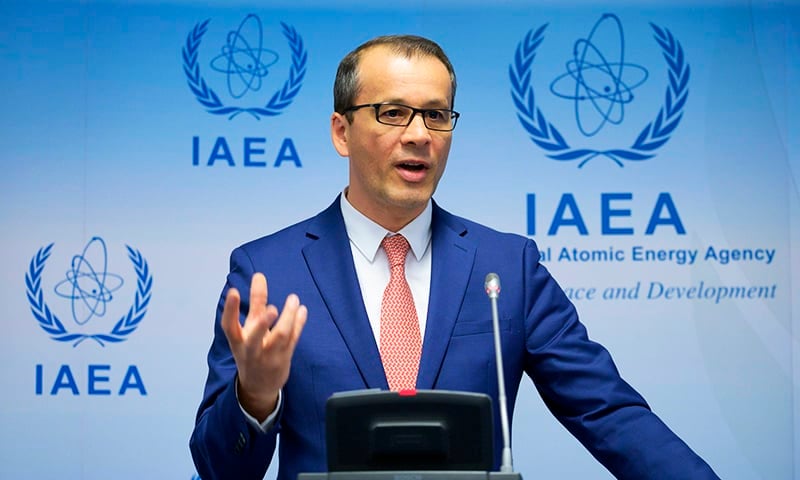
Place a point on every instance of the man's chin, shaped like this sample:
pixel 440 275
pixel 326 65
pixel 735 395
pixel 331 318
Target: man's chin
pixel 412 201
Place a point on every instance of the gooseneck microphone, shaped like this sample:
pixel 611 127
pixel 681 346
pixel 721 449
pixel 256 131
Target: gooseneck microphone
pixel 492 285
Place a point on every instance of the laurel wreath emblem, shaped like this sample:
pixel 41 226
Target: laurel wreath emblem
pixel 55 328
pixel 652 137
pixel 209 99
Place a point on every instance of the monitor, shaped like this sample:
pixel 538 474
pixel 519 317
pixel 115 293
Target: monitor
pixel 373 430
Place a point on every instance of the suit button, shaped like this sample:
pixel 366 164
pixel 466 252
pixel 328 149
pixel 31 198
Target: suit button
pixel 240 444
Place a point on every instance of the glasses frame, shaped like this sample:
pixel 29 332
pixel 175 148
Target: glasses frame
pixel 414 111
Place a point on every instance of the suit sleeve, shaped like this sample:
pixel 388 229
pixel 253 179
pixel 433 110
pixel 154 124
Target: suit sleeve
pixel 582 387
pixel 224 444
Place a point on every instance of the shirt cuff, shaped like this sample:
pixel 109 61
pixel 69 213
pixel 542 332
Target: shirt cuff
pixel 266 424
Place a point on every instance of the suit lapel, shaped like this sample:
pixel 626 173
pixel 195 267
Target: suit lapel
pixel 452 260
pixel 331 265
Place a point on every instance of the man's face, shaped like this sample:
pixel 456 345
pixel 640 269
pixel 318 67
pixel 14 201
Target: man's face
pixel 394 170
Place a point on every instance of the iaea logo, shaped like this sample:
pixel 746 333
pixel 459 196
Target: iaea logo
pixel 599 83
pixel 245 63
pixel 88 287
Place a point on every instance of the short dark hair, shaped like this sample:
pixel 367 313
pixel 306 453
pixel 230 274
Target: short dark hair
pixel 346 86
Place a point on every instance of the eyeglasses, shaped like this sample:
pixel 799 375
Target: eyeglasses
pixel 399 115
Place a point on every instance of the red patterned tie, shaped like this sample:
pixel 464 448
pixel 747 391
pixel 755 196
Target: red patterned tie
pixel 400 342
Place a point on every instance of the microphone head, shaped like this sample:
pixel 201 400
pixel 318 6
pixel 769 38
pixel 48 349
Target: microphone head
pixel 492 285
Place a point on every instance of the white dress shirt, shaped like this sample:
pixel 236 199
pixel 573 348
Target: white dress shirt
pixel 372 265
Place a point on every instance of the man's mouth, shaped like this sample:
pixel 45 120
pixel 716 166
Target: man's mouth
pixel 412 166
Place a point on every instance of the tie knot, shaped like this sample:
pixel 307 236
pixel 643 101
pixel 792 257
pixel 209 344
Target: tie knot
pixel 396 248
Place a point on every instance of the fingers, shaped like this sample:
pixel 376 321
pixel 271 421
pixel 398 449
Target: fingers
pixel 299 320
pixel 286 331
pixel 264 328
pixel 261 316
pixel 230 317
pixel 299 323
pixel 258 293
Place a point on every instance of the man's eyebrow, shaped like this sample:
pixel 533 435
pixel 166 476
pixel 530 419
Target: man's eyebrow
pixel 436 103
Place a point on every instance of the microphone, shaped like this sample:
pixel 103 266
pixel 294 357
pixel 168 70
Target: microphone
pixel 492 285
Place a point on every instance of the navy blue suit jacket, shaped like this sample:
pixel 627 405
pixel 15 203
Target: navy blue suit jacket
pixel 541 337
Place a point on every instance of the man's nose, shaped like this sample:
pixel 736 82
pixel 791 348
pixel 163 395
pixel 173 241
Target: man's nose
pixel 416 131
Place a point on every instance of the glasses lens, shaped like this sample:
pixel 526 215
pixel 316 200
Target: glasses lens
pixel 401 115
pixel 394 114
pixel 439 119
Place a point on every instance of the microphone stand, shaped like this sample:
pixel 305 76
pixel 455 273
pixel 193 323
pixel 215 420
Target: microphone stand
pixel 492 285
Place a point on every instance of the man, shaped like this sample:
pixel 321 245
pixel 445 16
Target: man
pixel 393 119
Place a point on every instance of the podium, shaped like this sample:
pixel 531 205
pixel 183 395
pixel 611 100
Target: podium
pixel 411 475
pixel 409 435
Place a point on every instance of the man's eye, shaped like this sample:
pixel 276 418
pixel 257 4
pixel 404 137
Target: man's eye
pixel 394 113
pixel 435 115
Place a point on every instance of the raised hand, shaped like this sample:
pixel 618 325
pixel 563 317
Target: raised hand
pixel 262 347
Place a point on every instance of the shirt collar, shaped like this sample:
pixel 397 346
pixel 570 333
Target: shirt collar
pixel 367 235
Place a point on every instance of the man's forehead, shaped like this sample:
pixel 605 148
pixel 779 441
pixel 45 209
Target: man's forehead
pixel 388 53
pixel 381 66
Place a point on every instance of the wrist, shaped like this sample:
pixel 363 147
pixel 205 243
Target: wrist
pixel 258 405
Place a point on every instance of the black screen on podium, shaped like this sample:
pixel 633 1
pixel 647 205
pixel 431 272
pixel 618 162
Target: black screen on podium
pixel 413 430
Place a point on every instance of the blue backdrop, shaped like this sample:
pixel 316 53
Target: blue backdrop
pixel 650 149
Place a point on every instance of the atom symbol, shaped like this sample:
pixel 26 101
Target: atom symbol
pixel 87 286
pixel 598 88
pixel 244 64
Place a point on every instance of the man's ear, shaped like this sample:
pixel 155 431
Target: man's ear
pixel 339 134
